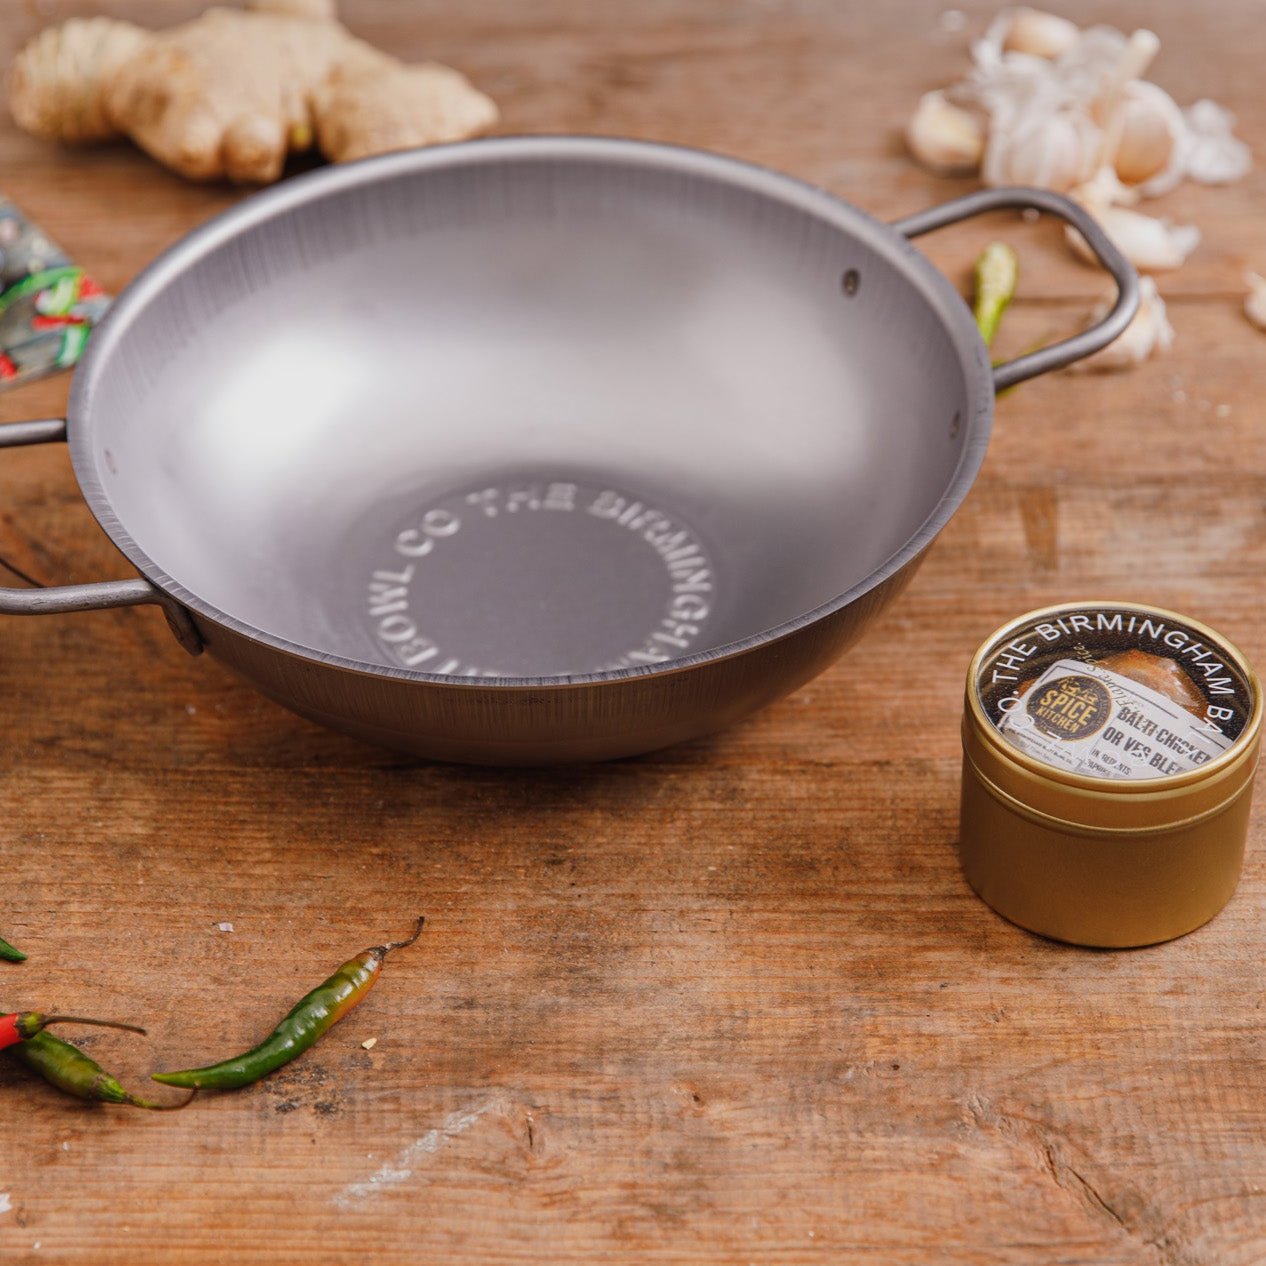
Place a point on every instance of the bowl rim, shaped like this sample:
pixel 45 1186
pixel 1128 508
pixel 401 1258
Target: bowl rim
pixel 297 191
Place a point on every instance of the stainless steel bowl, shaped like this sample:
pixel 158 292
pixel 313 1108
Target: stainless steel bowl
pixel 535 449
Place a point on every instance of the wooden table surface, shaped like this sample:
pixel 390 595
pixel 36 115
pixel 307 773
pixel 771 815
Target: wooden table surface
pixel 729 1003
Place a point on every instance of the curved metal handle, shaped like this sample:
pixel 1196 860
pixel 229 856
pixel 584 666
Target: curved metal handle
pixel 1070 349
pixel 95 597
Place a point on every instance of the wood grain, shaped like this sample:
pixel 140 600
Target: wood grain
pixel 729 1003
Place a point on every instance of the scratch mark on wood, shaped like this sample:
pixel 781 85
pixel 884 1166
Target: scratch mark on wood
pixel 401 1169
pixel 20 574
pixel 1062 1171
pixel 1037 1136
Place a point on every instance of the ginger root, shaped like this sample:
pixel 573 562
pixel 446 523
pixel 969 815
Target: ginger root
pixel 229 94
pixel 362 108
pixel 56 87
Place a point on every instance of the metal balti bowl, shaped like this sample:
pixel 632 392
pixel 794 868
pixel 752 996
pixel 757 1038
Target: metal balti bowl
pixel 535 449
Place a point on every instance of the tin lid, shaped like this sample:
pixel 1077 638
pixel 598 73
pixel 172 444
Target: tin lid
pixel 1103 745
pixel 1093 705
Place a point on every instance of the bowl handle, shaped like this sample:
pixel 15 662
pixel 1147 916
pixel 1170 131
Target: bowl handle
pixel 1070 349
pixel 96 597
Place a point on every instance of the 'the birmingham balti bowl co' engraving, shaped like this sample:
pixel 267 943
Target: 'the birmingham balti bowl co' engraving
pixel 469 529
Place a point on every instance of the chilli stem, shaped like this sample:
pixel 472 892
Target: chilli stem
pixel 395 945
pixel 150 1106
pixel 101 1024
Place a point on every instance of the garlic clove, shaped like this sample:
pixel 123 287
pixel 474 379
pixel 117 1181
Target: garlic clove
pixel 1149 332
pixel 1133 58
pixel 1150 244
pixel 1217 157
pixel 1037 33
pixel 1052 150
pixel 1255 300
pixel 944 137
pixel 1152 148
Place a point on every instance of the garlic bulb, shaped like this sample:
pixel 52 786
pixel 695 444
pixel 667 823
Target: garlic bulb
pixel 1037 33
pixel 1149 244
pixel 1054 150
pixel 1255 300
pixel 1149 331
pixel 945 138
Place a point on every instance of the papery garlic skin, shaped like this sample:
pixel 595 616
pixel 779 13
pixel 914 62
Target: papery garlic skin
pixel 945 138
pixel 1255 300
pixel 1150 244
pixel 1085 71
pixel 1149 332
pixel 1001 86
pixel 1105 189
pixel 1216 156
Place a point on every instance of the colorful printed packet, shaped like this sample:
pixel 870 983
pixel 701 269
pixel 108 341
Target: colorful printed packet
pixel 48 307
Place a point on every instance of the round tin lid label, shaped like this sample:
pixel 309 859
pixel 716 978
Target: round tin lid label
pixel 1115 691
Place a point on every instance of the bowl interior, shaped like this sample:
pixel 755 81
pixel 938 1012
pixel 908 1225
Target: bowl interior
pixel 529 411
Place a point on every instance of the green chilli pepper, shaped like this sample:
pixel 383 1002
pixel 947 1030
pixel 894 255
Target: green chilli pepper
pixel 68 1069
pixel 997 272
pixel 310 1018
pixel 10 953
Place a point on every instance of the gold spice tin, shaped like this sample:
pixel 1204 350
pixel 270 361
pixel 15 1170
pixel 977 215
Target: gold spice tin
pixel 1109 751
